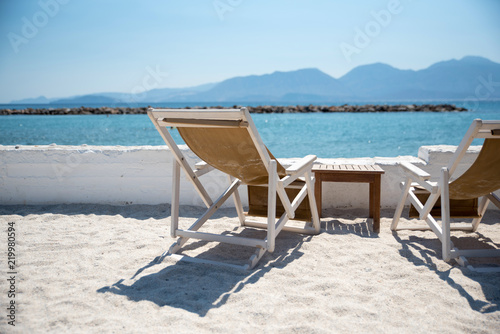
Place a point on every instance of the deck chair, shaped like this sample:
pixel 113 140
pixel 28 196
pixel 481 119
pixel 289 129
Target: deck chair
pixel 227 140
pixel 459 196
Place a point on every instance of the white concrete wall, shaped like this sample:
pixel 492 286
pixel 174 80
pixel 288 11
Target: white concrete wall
pixel 94 174
pixel 142 175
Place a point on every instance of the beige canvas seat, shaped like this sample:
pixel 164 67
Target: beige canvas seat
pixel 458 198
pixel 227 140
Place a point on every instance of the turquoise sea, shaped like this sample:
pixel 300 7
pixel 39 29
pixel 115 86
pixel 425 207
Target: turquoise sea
pixel 327 135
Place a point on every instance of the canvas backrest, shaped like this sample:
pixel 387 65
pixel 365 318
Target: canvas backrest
pixel 230 150
pixel 226 139
pixel 483 176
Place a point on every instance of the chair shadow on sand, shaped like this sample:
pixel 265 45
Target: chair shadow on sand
pixel 422 251
pixel 363 228
pixel 195 287
pixel 198 287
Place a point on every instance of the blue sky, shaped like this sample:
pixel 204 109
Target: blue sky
pixel 60 48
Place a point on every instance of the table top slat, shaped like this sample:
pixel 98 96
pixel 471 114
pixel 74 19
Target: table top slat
pixel 347 168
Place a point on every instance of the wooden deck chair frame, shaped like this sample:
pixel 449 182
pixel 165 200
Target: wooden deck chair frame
pixel 231 118
pixel 415 177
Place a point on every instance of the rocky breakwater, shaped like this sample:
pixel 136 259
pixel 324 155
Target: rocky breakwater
pixel 74 111
pixel 356 108
pixel 258 110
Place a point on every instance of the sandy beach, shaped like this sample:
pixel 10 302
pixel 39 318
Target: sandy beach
pixel 92 269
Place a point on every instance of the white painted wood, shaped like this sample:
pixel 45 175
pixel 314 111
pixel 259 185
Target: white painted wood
pixel 490 124
pixel 229 239
pixel 306 229
pixel 202 168
pixel 174 217
pixel 464 145
pixel 182 161
pixel 301 166
pixel 280 189
pixel 429 204
pixel 206 123
pixel 454 227
pixel 254 134
pixel 462 261
pixel 163 118
pixel 227 114
pixel 299 198
pixel 485 135
pixel 417 173
pixel 281 223
pixel 477 252
pixel 310 180
pixel 255 258
pixel 216 205
pixel 202 172
pixel 237 204
pixel 201 165
pixel 202 220
pixel 431 187
pixel 478 129
pixel 445 214
pixel 435 227
pixel 415 201
pixel 401 203
pixel 419 177
pixel 271 205
pixel 176 246
pixel 289 179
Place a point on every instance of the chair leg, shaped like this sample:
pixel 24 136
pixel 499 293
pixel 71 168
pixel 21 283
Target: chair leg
pixel 271 205
pixel 401 204
pixel 176 180
pixel 312 202
pixel 445 214
pixel 252 262
pixel 237 204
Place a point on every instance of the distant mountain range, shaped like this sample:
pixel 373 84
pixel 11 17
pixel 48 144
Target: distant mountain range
pixel 469 77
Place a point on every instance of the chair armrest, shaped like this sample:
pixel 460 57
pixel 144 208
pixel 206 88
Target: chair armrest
pixel 302 165
pixel 420 176
pixel 416 172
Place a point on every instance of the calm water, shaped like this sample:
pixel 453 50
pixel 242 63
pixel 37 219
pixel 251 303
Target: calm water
pixel 334 135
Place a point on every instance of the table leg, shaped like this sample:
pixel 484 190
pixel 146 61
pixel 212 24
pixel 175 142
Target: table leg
pixel 375 202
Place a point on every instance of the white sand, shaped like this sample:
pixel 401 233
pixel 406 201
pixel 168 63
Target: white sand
pixel 91 269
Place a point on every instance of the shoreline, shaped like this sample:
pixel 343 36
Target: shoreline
pixel 266 109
